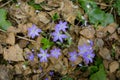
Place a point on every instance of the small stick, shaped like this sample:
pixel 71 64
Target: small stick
pixel 5 3
pixel 25 39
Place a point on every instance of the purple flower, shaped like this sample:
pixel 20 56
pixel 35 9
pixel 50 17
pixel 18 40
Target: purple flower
pixel 84 48
pixel 43 55
pixel 73 56
pixel 86 52
pixel 33 31
pixel 88 57
pixel 90 42
pixel 51 73
pixel 46 79
pixel 61 26
pixel 55 53
pixel 31 57
pixel 58 36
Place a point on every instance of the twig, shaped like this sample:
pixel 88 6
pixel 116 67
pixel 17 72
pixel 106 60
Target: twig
pixel 3 30
pixel 25 39
pixel 5 3
pixel 19 36
pixel 102 4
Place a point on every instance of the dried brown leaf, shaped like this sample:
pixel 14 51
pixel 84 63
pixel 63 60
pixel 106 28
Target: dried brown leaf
pixel 3 37
pixel 37 44
pixel 1 49
pixel 68 10
pixel 105 53
pixel 14 53
pixel 18 68
pixel 10 39
pixel 99 42
pixel 88 32
pixel 113 66
pixel 22 43
pixel 43 17
pixel 110 28
pixel 38 1
pixel 82 41
pixel 27 71
pixel 13 29
pixel 78 61
pixel 114 36
pixel 65 62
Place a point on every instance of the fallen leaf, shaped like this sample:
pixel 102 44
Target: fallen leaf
pixel 110 28
pixel 69 12
pixel 5 73
pixel 27 71
pixel 13 53
pixel 111 76
pixel 1 49
pixel 43 17
pixel 3 37
pixel 99 42
pixel 100 34
pixel 88 32
pixel 23 43
pixel 10 39
pixel 118 30
pixel 113 66
pixel 78 61
pixel 103 5
pixel 13 29
pixel 37 44
pixel 65 60
pixel 18 68
pixel 82 41
pixel 118 74
pixel 114 36
pixel 106 64
pixel 35 77
pixel 54 3
pixel 24 27
pixel 38 1
pixel 105 53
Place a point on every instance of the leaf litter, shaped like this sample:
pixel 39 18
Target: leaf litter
pixel 16 46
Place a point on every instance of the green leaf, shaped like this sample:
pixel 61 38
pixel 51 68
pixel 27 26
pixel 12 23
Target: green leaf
pixel 55 17
pixel 108 18
pixel 66 78
pixel 98 61
pixel 100 75
pixel 3 14
pixel 36 6
pixel 46 43
pixel 84 4
pixel 96 16
pixel 93 69
pixel 4 24
pixel 116 5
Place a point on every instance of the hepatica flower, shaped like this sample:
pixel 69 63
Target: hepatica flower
pixel 73 56
pixel 88 57
pixel 84 48
pixel 86 52
pixel 33 31
pixel 58 36
pixel 55 53
pixel 61 26
pixel 43 55
pixel 31 57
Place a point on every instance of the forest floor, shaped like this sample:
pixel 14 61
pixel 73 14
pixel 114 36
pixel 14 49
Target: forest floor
pixel 59 40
